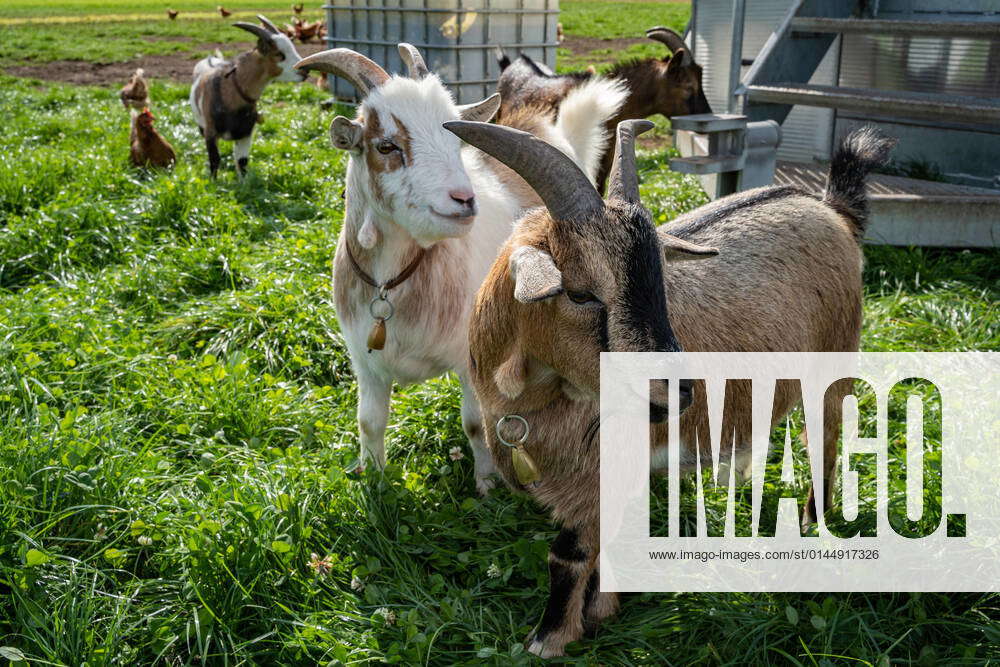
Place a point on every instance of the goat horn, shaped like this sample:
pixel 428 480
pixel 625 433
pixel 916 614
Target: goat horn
pixel 364 74
pixel 414 61
pixel 566 191
pixel 624 181
pixel 672 41
pixel 267 24
pixel 261 34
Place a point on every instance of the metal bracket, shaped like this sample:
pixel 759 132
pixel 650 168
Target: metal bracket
pixel 726 152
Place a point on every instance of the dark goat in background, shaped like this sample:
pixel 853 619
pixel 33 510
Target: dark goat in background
pixel 670 86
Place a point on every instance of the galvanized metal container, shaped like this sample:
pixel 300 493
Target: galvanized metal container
pixel 456 37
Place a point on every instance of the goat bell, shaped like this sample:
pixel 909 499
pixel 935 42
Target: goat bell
pixel 524 467
pixel 376 337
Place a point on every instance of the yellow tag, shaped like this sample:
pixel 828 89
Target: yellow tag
pixel 524 467
pixel 376 337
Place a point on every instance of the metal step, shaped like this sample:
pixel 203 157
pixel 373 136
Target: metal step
pixel 975 110
pixel 939 28
pixel 700 165
pixel 704 123
pixel 907 211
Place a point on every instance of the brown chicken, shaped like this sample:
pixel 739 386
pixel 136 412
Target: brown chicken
pixel 224 12
pixel 297 9
pixel 149 149
pixel 306 31
pixel 172 13
pixel 135 94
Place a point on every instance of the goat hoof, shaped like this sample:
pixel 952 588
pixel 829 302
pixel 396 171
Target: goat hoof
pixel 486 483
pixel 543 648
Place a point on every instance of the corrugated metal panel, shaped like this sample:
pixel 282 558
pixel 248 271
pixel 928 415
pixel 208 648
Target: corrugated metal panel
pixel 955 66
pixel 941 65
pixel 456 37
pixel 888 9
pixel 807 132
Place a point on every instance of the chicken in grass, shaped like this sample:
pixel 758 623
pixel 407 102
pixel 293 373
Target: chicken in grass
pixel 149 149
pixel 297 9
pixel 225 13
pixel 307 31
pixel 172 13
pixel 135 94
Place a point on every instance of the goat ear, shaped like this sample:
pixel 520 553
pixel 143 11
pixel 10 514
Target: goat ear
pixel 535 274
pixel 346 134
pixel 681 59
pixel 677 249
pixel 482 111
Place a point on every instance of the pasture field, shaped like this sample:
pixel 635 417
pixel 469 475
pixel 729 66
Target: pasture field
pixel 122 30
pixel 177 427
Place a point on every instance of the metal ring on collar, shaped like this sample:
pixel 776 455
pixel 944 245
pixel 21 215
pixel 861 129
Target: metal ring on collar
pixel 503 420
pixel 388 315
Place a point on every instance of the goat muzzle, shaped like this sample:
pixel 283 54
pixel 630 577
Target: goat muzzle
pixel 566 191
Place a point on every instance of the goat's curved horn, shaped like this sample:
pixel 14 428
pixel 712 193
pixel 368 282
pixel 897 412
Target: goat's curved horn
pixel 267 24
pixel 363 73
pixel 414 61
pixel 261 33
pixel 624 181
pixel 565 190
pixel 672 41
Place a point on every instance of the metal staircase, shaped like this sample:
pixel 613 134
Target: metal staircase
pixel 735 151
pixel 779 76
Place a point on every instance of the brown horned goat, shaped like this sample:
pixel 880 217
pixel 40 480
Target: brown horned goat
pixel 224 94
pixel 778 270
pixel 670 86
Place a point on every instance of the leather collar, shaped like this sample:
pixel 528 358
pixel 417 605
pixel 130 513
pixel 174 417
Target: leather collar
pixel 389 284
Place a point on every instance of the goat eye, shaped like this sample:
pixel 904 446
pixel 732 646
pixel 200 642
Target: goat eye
pixel 581 297
pixel 386 147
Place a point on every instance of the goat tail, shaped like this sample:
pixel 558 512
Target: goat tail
pixel 502 58
pixel 583 118
pixel 858 155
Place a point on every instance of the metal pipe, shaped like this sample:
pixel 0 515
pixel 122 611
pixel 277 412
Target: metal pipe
pixel 736 55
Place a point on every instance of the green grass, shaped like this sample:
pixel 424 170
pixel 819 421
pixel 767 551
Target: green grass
pixel 106 42
pixel 38 10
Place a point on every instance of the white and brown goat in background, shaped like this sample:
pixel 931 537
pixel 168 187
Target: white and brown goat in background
pixel 224 94
pixel 584 276
pixel 416 201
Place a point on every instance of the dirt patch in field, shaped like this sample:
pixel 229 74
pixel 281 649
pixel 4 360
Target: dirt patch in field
pixel 175 66
pixel 655 142
pixel 584 45
pixel 169 38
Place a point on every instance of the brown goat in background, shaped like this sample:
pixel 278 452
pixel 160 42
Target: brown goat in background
pixel 670 86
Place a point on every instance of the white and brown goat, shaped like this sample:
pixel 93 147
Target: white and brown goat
pixel 670 86
pixel 224 94
pixel 779 270
pixel 423 220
